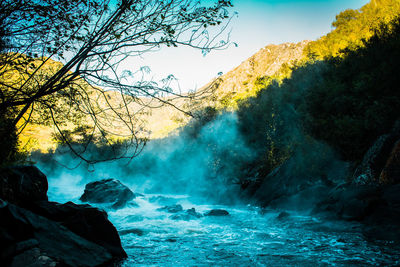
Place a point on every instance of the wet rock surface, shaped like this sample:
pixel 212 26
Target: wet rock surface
pixel 107 191
pixel 377 207
pixel 216 212
pixel 380 164
pixel 36 232
pixel 45 238
pixel 86 221
pixel 187 215
pixel 391 172
pixel 135 231
pixel 283 216
pixel 296 184
pixel 171 209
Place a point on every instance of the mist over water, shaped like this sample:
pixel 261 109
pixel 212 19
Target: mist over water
pixel 199 170
pixel 205 165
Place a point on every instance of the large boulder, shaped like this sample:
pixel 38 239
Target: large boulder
pixel 36 232
pixel 27 239
pixel 377 207
pixel 310 166
pixel 85 221
pixel 107 191
pixel 368 172
pixel 351 202
pixel 272 187
pixel 22 185
pixel 284 183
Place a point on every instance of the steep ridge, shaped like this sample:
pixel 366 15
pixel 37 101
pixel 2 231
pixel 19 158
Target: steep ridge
pixel 272 61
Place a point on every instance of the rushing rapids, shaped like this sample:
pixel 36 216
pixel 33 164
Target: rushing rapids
pixel 155 230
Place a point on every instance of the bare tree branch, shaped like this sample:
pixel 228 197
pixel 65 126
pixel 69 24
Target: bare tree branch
pixel 92 38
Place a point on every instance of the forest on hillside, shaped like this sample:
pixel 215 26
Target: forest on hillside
pixel 346 102
pixel 344 93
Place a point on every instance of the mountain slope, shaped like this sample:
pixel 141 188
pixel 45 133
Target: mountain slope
pixel 271 62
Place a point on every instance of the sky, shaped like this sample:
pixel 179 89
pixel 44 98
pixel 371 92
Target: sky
pixel 257 24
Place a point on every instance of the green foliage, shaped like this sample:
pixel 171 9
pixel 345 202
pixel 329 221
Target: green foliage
pixel 352 27
pixel 346 102
pixel 270 121
pixel 359 95
pixel 262 82
pixel 344 18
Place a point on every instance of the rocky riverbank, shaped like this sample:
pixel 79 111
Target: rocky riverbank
pixel 37 232
pixel 369 195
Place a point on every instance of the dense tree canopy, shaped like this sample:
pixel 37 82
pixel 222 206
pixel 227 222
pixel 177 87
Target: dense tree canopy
pixel 351 27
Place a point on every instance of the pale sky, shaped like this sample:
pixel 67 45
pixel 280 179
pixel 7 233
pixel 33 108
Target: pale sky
pixel 258 23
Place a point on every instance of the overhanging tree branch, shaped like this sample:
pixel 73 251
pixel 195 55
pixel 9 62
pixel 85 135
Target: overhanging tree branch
pixel 92 38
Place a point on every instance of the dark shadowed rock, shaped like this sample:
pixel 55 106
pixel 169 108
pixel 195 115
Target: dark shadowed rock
pixel 28 239
pixel 33 257
pixel 391 172
pixel 375 159
pixel 193 212
pixel 278 184
pixel 352 202
pixel 377 207
pixel 22 185
pixel 372 163
pixel 135 231
pixel 303 200
pixel 217 212
pixel 283 215
pixel 171 209
pixel 85 221
pixel 187 215
pixel 302 171
pixel 266 190
pixel 107 191
pixel 35 232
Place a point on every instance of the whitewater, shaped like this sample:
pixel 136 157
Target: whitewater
pixel 248 236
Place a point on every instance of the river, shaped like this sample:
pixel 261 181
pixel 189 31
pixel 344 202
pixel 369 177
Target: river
pixel 248 236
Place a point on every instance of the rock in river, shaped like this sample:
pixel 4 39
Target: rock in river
pixel 85 221
pixel 216 212
pixel 187 215
pixel 283 215
pixel 36 232
pixel 27 238
pixel 107 191
pixel 171 209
